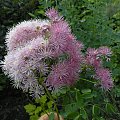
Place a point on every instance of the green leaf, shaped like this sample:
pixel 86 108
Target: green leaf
pixel 51 116
pixel 83 113
pixel 110 108
pixel 88 96
pixel 72 115
pixel 32 15
pixel 34 117
pixel 30 108
pixel 41 12
pixel 37 100
pixel 70 108
pixel 84 91
pixel 116 72
pixel 38 109
pixel 77 117
pixel 63 90
pixel 99 118
pixel 117 91
pixel 95 110
pixel 79 99
pixel 43 99
pixel 50 104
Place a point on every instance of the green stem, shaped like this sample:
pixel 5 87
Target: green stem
pixel 88 80
pixel 52 99
pixel 49 95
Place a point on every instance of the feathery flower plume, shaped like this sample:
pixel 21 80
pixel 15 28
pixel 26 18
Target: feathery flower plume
pixel 92 58
pixel 59 36
pixel 60 27
pixel 62 74
pixel 104 51
pixel 53 15
pixel 24 32
pixel 104 76
pixel 74 50
pixel 64 42
pixel 21 64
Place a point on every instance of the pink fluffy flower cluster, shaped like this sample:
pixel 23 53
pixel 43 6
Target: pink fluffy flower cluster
pixel 93 58
pixel 31 43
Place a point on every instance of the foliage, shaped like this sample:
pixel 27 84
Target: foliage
pixel 42 106
pixel 76 103
pixel 87 104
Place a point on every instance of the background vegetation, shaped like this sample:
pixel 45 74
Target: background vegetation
pixel 95 23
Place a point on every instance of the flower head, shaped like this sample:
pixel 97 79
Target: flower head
pixel 104 76
pixel 92 58
pixel 104 51
pixel 60 27
pixel 62 74
pixel 24 32
pixel 53 15
pixel 22 64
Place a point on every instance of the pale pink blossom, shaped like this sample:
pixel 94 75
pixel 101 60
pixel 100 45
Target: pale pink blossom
pixel 24 32
pixel 22 63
